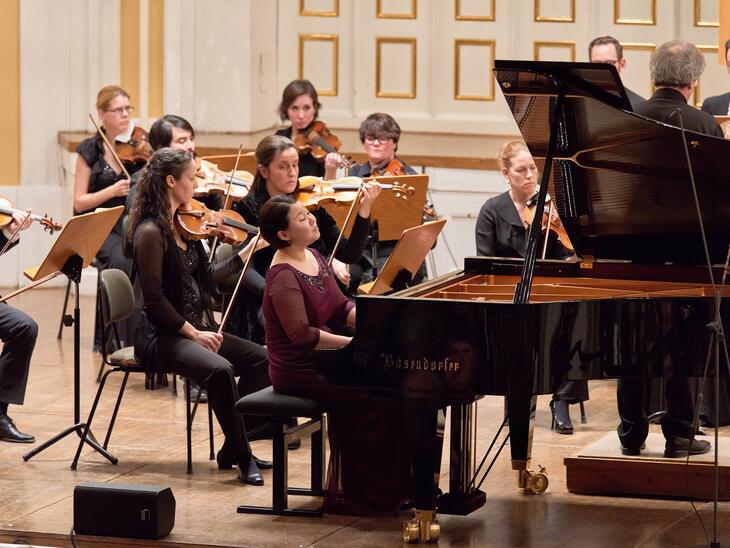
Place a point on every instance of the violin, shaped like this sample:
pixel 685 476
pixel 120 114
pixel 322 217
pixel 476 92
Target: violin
pixel 550 222
pixel 194 221
pixel 394 168
pixel 212 180
pixel 136 149
pixel 318 141
pixel 313 192
pixel 6 216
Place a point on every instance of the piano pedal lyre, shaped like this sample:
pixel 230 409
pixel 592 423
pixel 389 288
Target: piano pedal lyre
pixel 423 528
pixel 534 483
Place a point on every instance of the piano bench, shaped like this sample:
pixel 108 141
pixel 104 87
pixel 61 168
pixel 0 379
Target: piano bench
pixel 280 408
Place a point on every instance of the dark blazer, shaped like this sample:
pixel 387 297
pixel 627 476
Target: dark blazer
pixel 500 232
pixel 718 104
pixel 664 104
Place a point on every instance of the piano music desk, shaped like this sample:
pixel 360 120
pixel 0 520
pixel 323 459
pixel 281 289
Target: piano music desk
pixel 600 469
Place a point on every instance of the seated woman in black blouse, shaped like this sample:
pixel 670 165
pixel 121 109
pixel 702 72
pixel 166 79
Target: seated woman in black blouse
pixel 100 182
pixel 176 329
pixel 277 174
pixel 300 106
pixel 501 231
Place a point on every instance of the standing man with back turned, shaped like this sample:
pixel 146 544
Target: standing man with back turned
pixel 675 68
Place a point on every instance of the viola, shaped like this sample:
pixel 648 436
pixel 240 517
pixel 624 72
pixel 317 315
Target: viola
pixel 313 192
pixel 550 223
pixel 394 168
pixel 136 149
pixel 194 221
pixel 6 216
pixel 212 180
pixel 318 141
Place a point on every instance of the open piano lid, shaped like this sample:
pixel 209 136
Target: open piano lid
pixel 620 180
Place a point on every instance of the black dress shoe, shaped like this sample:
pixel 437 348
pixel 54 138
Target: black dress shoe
pixel 225 462
pixel 632 451
pixel 249 473
pixel 194 390
pixel 263 464
pixel 10 432
pixel 561 417
pixel 681 447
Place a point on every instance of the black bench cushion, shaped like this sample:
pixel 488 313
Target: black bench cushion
pixel 272 404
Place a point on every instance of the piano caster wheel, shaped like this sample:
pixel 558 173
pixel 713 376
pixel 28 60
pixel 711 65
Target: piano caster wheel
pixel 424 528
pixel 534 482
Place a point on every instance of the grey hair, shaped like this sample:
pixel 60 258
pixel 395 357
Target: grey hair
pixel 676 64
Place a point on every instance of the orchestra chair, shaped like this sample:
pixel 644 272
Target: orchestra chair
pixel 279 408
pixel 117 303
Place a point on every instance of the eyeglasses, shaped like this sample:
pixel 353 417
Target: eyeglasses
pixel 382 138
pixel 119 110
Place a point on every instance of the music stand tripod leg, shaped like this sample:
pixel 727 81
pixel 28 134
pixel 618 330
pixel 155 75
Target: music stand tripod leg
pixel 72 270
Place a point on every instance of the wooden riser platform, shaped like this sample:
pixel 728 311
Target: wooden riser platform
pixel 601 469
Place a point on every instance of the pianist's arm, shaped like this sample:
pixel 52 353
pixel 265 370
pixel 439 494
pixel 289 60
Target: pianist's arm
pixel 288 302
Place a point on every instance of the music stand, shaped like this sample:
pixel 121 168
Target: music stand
pixel 390 214
pixel 403 264
pixel 74 249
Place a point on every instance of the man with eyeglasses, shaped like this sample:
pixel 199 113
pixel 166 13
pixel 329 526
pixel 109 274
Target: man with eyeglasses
pixel 608 50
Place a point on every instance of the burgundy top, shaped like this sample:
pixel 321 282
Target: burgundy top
pixel 296 308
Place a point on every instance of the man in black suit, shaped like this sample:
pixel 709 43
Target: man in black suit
pixel 606 49
pixel 719 105
pixel 18 332
pixel 675 68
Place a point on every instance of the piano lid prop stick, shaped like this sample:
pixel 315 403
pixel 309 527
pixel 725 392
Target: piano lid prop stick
pixel 344 225
pixel 238 284
pixel 225 198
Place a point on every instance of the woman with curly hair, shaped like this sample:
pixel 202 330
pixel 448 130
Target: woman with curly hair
pixel 177 333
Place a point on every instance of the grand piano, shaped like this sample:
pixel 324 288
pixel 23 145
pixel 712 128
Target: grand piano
pixel 636 303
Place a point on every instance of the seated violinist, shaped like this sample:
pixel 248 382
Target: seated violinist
pixel 18 332
pixel 369 467
pixel 300 105
pixel 379 135
pixel 501 231
pixel 177 332
pixel 100 181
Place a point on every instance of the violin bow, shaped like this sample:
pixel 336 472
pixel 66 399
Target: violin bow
pixel 226 314
pixel 344 225
pixel 225 198
pixel 109 146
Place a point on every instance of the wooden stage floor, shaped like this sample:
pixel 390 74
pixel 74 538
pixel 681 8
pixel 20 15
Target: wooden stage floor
pixel 36 496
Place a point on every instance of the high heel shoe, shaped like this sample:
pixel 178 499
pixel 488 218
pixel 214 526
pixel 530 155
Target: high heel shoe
pixel 249 473
pixel 226 462
pixel 560 411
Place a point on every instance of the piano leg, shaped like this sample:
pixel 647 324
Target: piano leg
pixel 427 436
pixel 463 498
pixel 520 410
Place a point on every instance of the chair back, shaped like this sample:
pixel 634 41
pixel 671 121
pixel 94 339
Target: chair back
pixel 117 295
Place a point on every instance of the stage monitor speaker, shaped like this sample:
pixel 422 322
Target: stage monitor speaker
pixel 119 510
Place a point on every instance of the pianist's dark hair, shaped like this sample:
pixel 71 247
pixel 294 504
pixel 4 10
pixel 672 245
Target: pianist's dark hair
pixel 161 131
pixel 602 41
pixel 274 216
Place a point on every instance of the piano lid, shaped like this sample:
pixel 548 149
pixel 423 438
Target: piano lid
pixel 620 180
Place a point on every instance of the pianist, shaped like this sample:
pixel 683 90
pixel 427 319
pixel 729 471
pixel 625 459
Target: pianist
pixel 501 231
pixel 675 68
pixel 369 465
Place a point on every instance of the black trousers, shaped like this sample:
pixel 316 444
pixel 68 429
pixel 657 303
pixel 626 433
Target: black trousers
pixel 18 332
pixel 216 372
pixel 572 391
pixel 631 398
